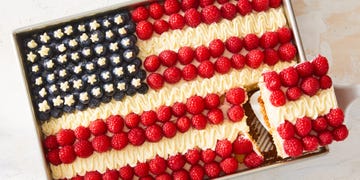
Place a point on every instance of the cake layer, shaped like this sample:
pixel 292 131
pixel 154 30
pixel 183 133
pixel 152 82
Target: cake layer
pixel 181 143
pixel 168 95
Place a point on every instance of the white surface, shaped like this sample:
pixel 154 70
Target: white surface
pixel 334 33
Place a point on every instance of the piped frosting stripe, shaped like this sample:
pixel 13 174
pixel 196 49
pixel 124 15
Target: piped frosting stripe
pixel 130 155
pixel 166 96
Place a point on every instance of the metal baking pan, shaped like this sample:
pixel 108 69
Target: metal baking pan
pixel 258 132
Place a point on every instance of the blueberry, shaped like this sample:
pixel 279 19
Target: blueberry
pixel 96 92
pixel 126 15
pixel 143 88
pixel 115 59
pixel 130 27
pixel 97 36
pixel 49 64
pixel 106 99
pixel 141 74
pixel 119 96
pixel 105 76
pixel 56 113
pixel 109 89
pixel 80 106
pixel 84 39
pixel 69 109
pixel 53 89
pixel 131 91
pixel 91 79
pixel 137 62
pixel 73 44
pixel 43 116
pixel 129 55
pixel 84 97
pixel 87 52
pixel 110 35
pixel 94 103
pixel 127 42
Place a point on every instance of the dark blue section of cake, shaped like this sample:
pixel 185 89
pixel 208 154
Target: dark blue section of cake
pixel 82 64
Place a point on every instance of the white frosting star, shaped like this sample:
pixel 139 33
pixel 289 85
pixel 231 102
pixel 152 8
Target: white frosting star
pixel 64 86
pixel 73 43
pixel 62 73
pixel 118 71
pixel 69 100
pixel 58 34
pixel 61 48
pixel 84 37
pixel 77 69
pixel 94 25
pixel 131 68
pixel 99 49
pixel 106 23
pixel 44 38
pixel 44 51
pixel 77 84
pixel 109 34
pixel 89 66
pixel 50 64
pixel 118 19
pixel 126 42
pixel 121 86
pixel 136 82
pixel 81 27
pixel 32 44
pixel 68 30
pixel 51 77
pixel 113 46
pixel 86 52
pixel 53 88
pixel 122 31
pixel 96 91
pixel 129 54
pixel 92 79
pixel 38 81
pixel 75 56
pixel 109 88
pixel 57 101
pixel 84 96
pixel 43 106
pixel 31 56
pixel 94 37
pixel 35 68
pixel 101 61
pixel 116 59
pixel 62 58
pixel 105 75
pixel 42 92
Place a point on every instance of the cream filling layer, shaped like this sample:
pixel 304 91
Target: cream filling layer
pixel 130 155
pixel 168 95
pixel 256 23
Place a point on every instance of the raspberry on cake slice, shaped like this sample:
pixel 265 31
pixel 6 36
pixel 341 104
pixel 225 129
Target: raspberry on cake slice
pixel 300 108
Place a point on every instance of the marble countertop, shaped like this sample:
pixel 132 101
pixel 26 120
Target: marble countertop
pixel 331 28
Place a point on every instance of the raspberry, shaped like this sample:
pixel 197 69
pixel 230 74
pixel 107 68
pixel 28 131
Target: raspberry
pixel 215 116
pixel 319 124
pixel 293 147
pixel 286 130
pixel 233 44
pixel 126 172
pixel 192 17
pixel 335 117
pixel 152 63
pixel 188 4
pixel 178 109
pixel 260 5
pixel 50 142
pixel 193 156
pixel 212 169
pixel 98 127
pixel 277 98
pixel 83 148
pixel 228 11
pixel 242 146
pixel 216 48
pixel 110 175
pixel 196 172
pixel 115 123
pixel 222 65
pixel 136 136
pixel 204 3
pixel 271 57
pixel 195 104
pixel 310 143
pixel 289 77
pixel 310 86
pixel 82 132
pixel 157 165
pixel 223 148
pixel 78 178
pixel 164 113
pixel 164 176
pixel 172 75
pixel 229 165
pixel 67 154
pixel 101 143
pixel 176 162
pixel 156 10
pixel 189 72
pixel 180 175
pixel 254 58
pixel 238 61
pixel 236 113
pixel 183 124
pixel 144 30
pixel 119 141
pixel 235 96
pixel 132 120
pixel 321 65
pixel 325 82
pixel 171 6
pixel 305 69
pixel 253 160
pixel 53 157
pixel 274 3
pixel 169 129
pixel 284 34
pixel 212 101
pixel 176 21
pixel 161 26
pixel 222 1
pixel 251 41
pixel 141 169
pixel 269 40
pixel 272 80
pixel 186 55
pixel 148 118
pixel 303 126
pixel 168 58
pixel 153 133
pixel 155 80
pixel 340 133
pixel 202 53
pixel 208 156
pixel 92 175
pixel 198 121
pixel 325 138
pixel 65 137
pixel 140 14
pixel 293 93
pixel 287 52
pixel 210 14
pixel 244 7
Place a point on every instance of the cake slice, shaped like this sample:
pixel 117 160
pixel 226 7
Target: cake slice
pixel 300 108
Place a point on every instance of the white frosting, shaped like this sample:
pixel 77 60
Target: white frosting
pixel 64 86
pixel 50 64
pixel 101 61
pixel 99 49
pixel 109 34
pixel 44 106
pixel 77 84
pixel 136 82
pixel 68 30
pixel 105 75
pixel 92 79
pixel 53 88
pixel 44 38
pixel 31 56
pixel 84 37
pixel 75 56
pixel 94 25
pixel 118 19
pixel 129 54
pixel 51 77
pixel 84 96
pixel 115 59
pixel 96 91
pixel 113 46
pixel 62 73
pixel 32 44
pixel 81 27
pixel 106 23
pixel 73 43
pixel 42 92
pixel 181 143
pixel 94 38
pixel 58 34
pixel 122 31
pixel 38 81
pixel 57 101
pixel 61 48
pixel 109 88
pixel 89 66
pixel 44 51
pixel 35 68
pixel 131 68
pixel 69 100
pixel 62 58
pixel 77 69
pixel 120 86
